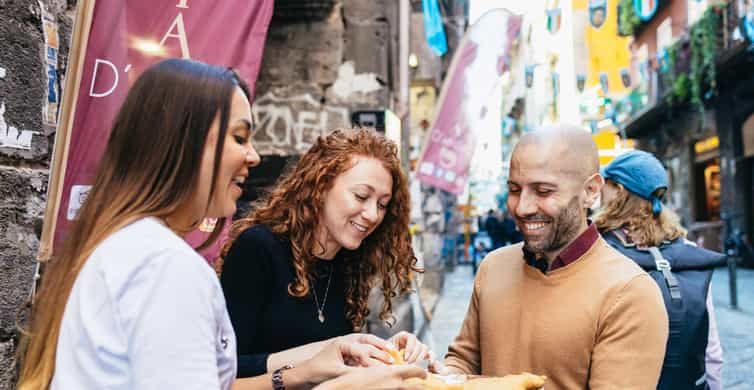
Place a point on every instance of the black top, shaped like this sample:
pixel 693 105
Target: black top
pixel 266 319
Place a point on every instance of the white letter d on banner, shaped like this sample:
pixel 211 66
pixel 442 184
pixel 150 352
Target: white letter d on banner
pixel 94 77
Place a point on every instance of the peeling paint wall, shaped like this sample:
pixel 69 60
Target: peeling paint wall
pixel 33 51
pixel 315 73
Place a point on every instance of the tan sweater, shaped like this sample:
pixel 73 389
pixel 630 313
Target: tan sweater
pixel 598 323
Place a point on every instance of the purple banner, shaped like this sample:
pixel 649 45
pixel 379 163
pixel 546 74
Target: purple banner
pixel 125 38
pixel 481 58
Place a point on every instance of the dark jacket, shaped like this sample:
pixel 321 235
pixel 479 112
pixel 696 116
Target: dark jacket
pixel 684 284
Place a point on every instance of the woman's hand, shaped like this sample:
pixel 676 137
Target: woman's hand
pixel 376 378
pixel 415 350
pixel 339 357
pixel 377 346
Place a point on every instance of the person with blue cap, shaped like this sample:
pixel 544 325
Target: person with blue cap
pixel 634 221
pixel 640 173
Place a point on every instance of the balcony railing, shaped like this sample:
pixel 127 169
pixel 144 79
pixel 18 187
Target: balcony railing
pixel 685 74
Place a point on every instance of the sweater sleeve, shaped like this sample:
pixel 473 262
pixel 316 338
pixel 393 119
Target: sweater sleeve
pixel 244 281
pixel 714 354
pixel 630 343
pixel 463 353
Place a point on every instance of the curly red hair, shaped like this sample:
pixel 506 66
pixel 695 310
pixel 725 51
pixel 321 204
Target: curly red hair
pixel 294 206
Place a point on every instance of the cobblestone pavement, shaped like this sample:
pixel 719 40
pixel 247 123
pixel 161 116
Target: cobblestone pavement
pixel 736 327
pixel 451 308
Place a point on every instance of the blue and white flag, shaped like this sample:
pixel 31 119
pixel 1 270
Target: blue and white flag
pixel 433 28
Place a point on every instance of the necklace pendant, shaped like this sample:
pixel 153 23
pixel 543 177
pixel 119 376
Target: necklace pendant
pixel 321 317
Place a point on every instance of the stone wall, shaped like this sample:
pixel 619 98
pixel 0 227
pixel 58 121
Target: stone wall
pixel 315 73
pixel 33 52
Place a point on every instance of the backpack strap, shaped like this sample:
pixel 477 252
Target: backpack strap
pixel 661 263
pixel 623 238
pixel 664 266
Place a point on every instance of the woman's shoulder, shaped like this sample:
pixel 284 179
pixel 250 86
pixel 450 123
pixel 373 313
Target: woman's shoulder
pixel 257 235
pixel 142 239
pixel 144 252
pixel 259 241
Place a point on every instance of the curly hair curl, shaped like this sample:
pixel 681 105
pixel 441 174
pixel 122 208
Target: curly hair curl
pixel 293 208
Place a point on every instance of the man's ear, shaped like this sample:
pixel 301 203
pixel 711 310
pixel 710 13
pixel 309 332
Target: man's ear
pixel 592 187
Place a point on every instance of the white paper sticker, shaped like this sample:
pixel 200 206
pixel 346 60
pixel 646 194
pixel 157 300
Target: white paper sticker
pixel 78 196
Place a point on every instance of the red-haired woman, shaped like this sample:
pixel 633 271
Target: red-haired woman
pixel 127 303
pixel 298 270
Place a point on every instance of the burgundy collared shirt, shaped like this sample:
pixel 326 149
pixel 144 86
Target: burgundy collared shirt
pixel 571 253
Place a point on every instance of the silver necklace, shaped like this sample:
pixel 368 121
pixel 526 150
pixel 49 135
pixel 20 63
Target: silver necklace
pixel 320 309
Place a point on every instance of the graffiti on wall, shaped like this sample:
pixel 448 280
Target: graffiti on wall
pixel 289 125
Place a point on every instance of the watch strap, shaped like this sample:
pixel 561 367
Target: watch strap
pixel 277 377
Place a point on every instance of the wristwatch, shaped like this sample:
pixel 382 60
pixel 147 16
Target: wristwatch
pixel 277 377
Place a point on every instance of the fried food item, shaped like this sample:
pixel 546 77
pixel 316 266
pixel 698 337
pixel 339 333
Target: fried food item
pixel 433 382
pixel 397 355
pixel 524 381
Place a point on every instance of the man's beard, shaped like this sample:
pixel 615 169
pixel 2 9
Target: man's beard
pixel 563 228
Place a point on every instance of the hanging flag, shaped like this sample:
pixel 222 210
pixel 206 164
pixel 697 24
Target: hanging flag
pixel 553 20
pixel 529 75
pixel 644 70
pixel 603 82
pixel 746 26
pixel 645 9
pixel 433 28
pixel 662 60
pixel 508 125
pixel 112 43
pixel 446 155
pixel 597 12
pixel 555 78
pixel 580 82
pixel 625 77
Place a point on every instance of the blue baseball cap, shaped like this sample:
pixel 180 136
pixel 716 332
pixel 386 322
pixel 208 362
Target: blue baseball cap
pixel 640 173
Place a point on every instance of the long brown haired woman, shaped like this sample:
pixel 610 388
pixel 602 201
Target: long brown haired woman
pixel 299 268
pixel 127 304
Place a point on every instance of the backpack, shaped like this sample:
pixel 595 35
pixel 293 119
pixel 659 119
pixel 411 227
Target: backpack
pixel 683 273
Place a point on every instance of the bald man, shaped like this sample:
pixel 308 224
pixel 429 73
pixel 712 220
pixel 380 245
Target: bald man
pixel 563 303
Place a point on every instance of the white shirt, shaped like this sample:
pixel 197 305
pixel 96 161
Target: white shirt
pixel 145 312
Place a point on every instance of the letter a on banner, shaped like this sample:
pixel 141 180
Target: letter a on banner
pixel 446 155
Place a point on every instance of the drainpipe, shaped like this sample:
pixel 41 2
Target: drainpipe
pixel 403 81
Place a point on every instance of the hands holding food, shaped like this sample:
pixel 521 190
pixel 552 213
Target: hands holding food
pixel 364 361
pixel 413 349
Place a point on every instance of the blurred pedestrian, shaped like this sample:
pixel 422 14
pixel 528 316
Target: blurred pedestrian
pixel 493 228
pixel 564 304
pixel 634 221
pixel 509 232
pixel 127 303
pixel 298 270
